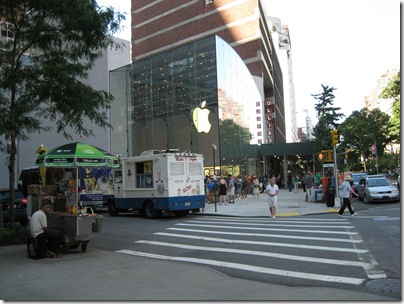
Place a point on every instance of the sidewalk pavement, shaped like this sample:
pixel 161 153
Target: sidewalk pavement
pixel 289 204
pixel 99 275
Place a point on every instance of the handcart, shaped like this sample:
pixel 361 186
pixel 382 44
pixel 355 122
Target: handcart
pixel 59 183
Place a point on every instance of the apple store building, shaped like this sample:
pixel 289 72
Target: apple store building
pixel 199 97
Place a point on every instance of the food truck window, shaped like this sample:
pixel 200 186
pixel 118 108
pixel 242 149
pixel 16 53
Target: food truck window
pixel 118 176
pixel 144 174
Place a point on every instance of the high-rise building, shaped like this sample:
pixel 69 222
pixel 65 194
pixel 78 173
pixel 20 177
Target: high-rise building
pixel 283 47
pixel 161 26
pixel 373 101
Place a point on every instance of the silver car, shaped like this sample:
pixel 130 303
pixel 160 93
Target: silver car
pixel 377 188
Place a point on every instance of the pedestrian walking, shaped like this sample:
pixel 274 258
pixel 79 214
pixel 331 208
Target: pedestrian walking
pixel 211 192
pixel 239 186
pixel 272 190
pixel 231 189
pixel 309 183
pixel 223 188
pixel 296 183
pixel 256 189
pixel 346 192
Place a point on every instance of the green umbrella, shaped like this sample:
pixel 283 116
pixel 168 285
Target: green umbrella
pixel 77 154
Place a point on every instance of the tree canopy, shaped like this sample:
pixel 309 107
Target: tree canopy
pixel 49 48
pixel 393 90
pixel 327 116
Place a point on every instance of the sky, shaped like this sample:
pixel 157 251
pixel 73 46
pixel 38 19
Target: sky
pixel 345 44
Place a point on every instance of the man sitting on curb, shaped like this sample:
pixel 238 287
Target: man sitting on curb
pixel 45 237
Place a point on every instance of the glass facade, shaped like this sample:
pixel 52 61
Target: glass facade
pixel 190 98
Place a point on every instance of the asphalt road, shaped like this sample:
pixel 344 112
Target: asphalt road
pixel 300 251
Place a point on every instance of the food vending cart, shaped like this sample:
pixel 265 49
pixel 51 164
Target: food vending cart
pixel 60 184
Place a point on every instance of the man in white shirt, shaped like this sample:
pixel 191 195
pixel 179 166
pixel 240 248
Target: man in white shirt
pixel 45 237
pixel 272 190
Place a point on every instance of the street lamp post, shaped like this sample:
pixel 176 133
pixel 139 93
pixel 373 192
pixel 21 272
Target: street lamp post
pixel 214 147
pixel 374 140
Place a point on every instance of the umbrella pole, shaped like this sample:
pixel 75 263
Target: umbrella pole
pixel 77 188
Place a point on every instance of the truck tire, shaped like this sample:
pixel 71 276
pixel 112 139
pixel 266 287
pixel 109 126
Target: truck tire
pixel 150 211
pixel 112 210
pixel 181 213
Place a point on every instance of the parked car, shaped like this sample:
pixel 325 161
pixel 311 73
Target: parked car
pixel 20 206
pixel 377 188
pixel 356 177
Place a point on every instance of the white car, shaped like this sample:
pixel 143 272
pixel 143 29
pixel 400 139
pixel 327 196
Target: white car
pixel 377 188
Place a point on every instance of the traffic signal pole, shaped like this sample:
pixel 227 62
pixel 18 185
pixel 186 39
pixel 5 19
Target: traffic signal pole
pixel 337 200
pixel 335 141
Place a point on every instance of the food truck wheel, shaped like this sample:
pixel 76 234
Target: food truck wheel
pixel 181 213
pixel 112 210
pixel 84 246
pixel 151 212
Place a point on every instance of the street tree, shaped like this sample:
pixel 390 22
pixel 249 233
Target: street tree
pixel 393 90
pixel 48 49
pixel 327 116
pixel 362 129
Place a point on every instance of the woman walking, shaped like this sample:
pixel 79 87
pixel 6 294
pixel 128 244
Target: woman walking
pixel 223 188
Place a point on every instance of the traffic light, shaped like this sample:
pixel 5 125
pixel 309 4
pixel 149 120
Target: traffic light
pixel 322 156
pixel 334 137
pixel 325 156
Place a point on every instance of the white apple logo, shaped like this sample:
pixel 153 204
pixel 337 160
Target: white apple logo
pixel 201 118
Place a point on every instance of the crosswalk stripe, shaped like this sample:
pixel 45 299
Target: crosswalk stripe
pixel 246 267
pixel 266 219
pixel 372 271
pixel 260 253
pixel 270 229
pixel 229 241
pixel 277 224
pixel 282 236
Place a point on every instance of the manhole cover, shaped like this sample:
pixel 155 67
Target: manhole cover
pixel 385 285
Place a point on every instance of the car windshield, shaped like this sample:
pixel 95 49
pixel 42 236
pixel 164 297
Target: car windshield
pixel 5 195
pixel 378 182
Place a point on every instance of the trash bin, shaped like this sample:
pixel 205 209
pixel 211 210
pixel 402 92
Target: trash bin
pixel 330 196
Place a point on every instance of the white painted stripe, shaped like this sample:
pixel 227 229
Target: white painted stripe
pixel 229 241
pixel 260 253
pixel 373 270
pixel 281 224
pixel 267 219
pixel 275 229
pixel 282 236
pixel 284 273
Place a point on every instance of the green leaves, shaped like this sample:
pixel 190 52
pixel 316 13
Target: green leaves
pixel 51 46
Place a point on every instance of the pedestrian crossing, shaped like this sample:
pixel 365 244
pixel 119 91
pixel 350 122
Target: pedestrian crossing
pixel 300 249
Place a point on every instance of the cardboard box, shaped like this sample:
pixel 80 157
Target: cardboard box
pixel 33 189
pixel 49 189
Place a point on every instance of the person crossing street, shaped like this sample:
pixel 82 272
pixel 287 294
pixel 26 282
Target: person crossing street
pixel 272 190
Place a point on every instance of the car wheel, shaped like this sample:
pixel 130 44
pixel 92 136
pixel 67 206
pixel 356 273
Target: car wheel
pixel 365 199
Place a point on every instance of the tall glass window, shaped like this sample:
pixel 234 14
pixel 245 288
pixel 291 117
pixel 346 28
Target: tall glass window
pixel 191 97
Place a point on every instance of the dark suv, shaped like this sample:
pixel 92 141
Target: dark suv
pixel 20 206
